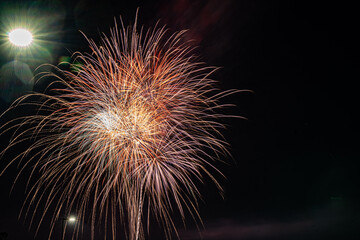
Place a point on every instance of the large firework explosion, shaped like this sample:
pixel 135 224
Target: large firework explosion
pixel 126 135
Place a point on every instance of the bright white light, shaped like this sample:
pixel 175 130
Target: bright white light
pixel 20 37
pixel 72 219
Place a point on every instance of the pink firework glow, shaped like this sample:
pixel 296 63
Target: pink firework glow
pixel 129 134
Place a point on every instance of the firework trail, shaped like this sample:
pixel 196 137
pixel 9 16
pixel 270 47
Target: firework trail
pixel 126 136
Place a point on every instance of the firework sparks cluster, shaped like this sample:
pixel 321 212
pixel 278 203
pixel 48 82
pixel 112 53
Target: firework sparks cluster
pixel 131 129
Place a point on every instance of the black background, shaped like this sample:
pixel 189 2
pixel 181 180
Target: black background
pixel 293 172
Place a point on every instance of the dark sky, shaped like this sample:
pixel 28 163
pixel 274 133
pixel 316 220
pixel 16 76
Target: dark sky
pixel 293 172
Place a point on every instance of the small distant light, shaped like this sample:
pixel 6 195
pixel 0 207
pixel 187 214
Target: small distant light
pixel 72 219
pixel 20 37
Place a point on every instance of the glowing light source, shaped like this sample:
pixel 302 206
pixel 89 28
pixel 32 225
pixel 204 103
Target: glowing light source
pixel 72 219
pixel 20 37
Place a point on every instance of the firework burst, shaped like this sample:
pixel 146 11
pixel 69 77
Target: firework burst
pixel 127 135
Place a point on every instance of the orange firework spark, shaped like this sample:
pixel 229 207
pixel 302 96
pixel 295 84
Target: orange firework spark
pixel 133 126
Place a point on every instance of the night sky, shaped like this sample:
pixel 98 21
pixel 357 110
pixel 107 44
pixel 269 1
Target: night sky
pixel 293 172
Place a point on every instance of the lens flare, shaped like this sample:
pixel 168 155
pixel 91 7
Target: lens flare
pixel 20 37
pixel 131 133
